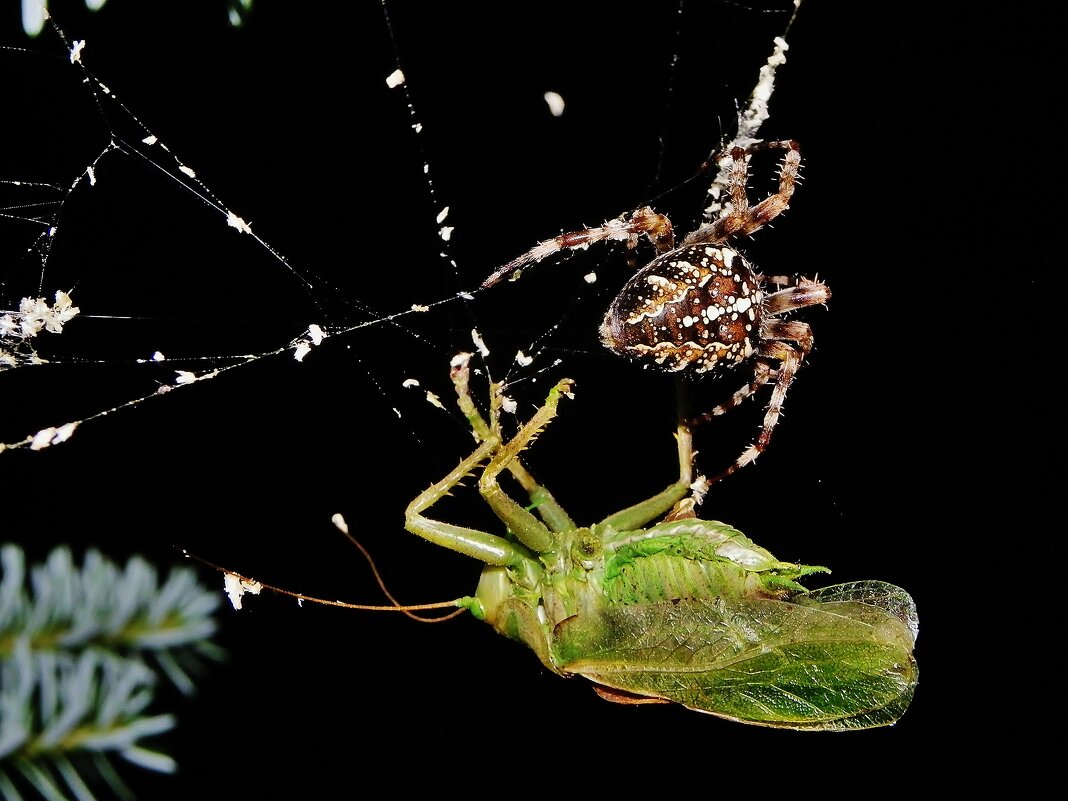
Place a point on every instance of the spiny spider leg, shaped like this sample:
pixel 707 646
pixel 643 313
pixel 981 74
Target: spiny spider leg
pixel 799 293
pixel 777 336
pixel 627 227
pixel 783 332
pixel 743 220
pixel 762 374
pixel 789 359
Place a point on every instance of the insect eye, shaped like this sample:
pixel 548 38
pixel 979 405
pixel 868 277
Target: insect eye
pixel 587 546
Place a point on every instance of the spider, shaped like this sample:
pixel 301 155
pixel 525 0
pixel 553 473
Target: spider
pixel 702 306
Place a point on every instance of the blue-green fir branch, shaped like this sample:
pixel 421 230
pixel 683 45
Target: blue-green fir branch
pixel 81 650
pixel 54 704
pixel 126 610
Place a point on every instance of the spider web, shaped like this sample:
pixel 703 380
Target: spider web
pixel 126 230
pixel 175 284
pixel 99 218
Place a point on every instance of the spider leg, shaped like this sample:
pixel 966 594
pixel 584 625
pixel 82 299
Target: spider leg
pixel 798 294
pixel 762 374
pixel 742 219
pixel 790 359
pixel 627 228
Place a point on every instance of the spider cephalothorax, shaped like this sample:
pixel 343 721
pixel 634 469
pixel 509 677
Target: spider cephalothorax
pixel 702 306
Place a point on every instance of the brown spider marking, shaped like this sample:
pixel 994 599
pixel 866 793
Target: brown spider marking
pixel 703 306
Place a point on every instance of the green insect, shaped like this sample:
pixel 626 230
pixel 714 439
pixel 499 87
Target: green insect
pixel 684 610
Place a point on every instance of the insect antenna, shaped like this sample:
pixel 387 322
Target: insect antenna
pixel 407 610
pixel 237 585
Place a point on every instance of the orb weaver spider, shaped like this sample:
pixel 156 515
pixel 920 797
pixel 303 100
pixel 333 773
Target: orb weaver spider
pixel 703 306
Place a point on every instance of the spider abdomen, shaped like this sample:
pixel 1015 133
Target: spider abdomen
pixel 690 309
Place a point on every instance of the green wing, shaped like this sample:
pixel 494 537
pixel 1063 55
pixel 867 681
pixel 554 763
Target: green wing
pixel 835 659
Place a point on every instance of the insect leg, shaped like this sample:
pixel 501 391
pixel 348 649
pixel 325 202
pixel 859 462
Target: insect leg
pixel 481 545
pixel 548 509
pixel 527 528
pixel 641 514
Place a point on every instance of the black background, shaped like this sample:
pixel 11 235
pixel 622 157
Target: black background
pixel 904 453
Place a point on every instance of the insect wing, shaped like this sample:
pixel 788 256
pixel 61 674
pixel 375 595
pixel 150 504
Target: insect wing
pixel 837 659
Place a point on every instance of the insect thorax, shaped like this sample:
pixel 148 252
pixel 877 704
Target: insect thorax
pixel 690 309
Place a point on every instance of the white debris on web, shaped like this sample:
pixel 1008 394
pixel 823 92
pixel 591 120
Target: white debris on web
pixel 236 222
pixel 236 586
pixel 480 343
pixel 590 277
pixel 755 113
pixel 445 232
pixel 434 400
pixel 36 315
pixel 409 383
pixel 555 103
pixel 699 488
pixel 304 346
pixel 47 437
pixel 465 295
pixel 522 359
pixel 508 404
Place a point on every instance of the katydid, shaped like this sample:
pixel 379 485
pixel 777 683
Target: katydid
pixel 684 610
